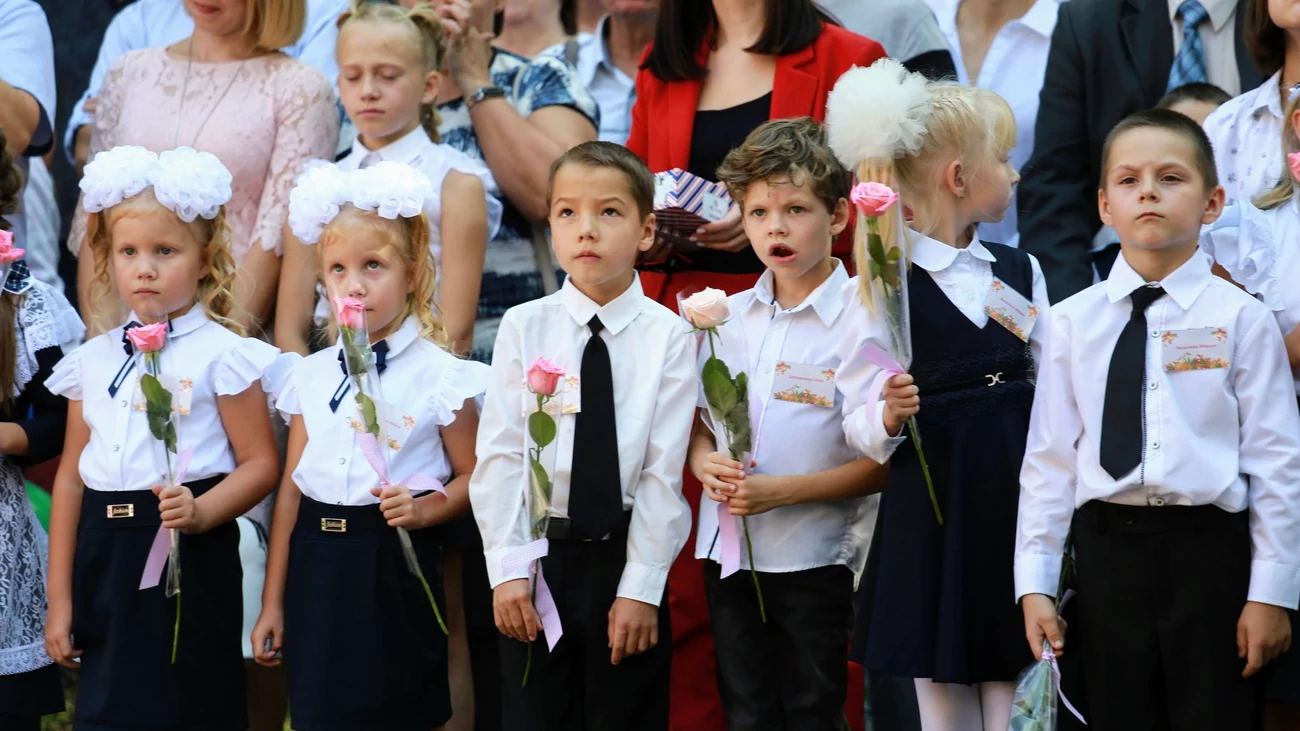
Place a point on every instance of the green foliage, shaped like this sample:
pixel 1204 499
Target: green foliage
pixel 540 501
pixel 366 405
pixel 541 427
pixel 719 389
pixel 158 410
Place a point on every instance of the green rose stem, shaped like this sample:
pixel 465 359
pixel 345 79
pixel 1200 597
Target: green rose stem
pixel 713 366
pixel 162 425
pixel 883 267
pixel 542 429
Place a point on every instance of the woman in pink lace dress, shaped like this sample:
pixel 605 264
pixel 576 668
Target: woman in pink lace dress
pixel 261 112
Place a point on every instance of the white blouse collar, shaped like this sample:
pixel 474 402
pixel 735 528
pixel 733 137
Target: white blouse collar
pixel 407 149
pixel 935 256
pixel 196 318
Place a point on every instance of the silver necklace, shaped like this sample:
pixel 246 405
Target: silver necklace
pixel 185 85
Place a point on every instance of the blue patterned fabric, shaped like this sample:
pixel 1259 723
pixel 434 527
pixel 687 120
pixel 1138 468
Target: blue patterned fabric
pixel 510 275
pixel 1189 64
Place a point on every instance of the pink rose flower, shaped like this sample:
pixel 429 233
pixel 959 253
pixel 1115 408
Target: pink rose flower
pixel 148 338
pixel 873 199
pixel 8 253
pixel 351 312
pixel 706 308
pixel 1294 161
pixel 543 376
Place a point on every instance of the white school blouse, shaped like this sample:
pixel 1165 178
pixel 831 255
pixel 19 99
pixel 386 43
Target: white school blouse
pixel 652 360
pixel 206 358
pixel 791 438
pixel 1246 132
pixel 965 276
pixel 1258 248
pixel 425 385
pixel 1228 437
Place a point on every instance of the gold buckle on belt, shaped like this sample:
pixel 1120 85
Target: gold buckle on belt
pixel 334 525
pixel 126 510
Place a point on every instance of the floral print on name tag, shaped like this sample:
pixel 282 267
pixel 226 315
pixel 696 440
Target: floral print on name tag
pixel 567 400
pixel 1195 349
pixel 182 390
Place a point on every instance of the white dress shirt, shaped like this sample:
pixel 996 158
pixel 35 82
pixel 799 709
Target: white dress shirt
pixel 1013 68
pixel 1218 40
pixel 791 438
pixel 652 360
pixel 151 23
pixel 1247 136
pixel 965 276
pixel 425 385
pixel 1228 437
pixel 121 453
pixel 1258 250
pixel 613 90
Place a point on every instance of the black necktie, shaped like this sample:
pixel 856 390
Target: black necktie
pixel 595 487
pixel 1122 434
pixel 381 362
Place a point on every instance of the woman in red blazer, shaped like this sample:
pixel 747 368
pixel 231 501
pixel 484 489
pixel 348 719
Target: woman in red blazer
pixel 716 70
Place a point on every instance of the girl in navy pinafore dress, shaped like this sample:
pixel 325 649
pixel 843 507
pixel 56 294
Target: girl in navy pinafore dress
pixel 937 603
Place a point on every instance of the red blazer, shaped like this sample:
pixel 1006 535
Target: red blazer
pixel 663 117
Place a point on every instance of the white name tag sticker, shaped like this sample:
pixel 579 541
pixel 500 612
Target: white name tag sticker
pixel 1011 310
pixel 804 384
pixel 714 207
pixel 1195 349
pixel 182 389
pixel 663 186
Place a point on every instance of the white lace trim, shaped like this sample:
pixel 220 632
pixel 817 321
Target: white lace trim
pixel 23 547
pixel 45 320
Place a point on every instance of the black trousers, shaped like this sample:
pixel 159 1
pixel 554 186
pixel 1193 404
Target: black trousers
pixel 575 687
pixel 789 673
pixel 1160 593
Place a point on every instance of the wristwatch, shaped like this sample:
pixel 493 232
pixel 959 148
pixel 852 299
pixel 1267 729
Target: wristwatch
pixel 485 92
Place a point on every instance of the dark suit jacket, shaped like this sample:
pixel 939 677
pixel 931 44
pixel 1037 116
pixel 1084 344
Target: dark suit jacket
pixel 1109 58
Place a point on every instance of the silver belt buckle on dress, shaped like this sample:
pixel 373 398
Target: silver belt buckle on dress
pixel 994 378
pixel 125 510
pixel 334 525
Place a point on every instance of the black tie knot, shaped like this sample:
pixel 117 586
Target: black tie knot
pixel 1143 297
pixel 126 341
pixel 596 325
pixel 380 350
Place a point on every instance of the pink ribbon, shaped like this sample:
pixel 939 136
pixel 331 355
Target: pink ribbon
pixel 729 540
pixel 543 601
pixel 1050 657
pixel 418 482
pixel 153 565
pixel 885 362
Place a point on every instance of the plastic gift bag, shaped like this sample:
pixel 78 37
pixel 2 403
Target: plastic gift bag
pixel 1033 708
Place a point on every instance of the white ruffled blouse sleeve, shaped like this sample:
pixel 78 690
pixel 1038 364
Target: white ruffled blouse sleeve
pixel 287 401
pixel 66 379
pixel 461 380
pixel 1242 242
pixel 444 160
pixel 243 365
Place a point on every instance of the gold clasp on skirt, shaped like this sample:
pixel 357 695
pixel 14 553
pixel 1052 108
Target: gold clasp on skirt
pixel 126 510
pixel 334 525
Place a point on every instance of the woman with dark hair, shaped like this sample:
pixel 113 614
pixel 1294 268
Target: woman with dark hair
pixel 1245 131
pixel 715 71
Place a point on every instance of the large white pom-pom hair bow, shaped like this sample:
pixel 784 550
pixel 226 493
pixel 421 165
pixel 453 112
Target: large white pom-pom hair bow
pixel 389 189
pixel 877 113
pixel 189 183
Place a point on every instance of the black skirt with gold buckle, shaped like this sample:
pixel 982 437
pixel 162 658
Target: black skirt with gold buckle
pixel 362 646
pixel 127 679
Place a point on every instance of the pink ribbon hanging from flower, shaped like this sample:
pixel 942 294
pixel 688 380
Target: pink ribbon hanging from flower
pixel 153 565
pixel 543 601
pixel 418 482
pixel 728 540
pixel 887 365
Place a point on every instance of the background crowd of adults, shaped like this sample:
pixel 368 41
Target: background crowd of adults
pixel 576 70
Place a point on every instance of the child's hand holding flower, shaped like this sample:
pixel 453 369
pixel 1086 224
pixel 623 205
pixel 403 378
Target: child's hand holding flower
pixel 757 494
pixel 718 475
pixel 902 402
pixel 398 506
pixel 179 509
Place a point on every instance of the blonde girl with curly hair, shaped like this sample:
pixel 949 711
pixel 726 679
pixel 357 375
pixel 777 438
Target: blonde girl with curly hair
pixel 158 229
pixel 341 598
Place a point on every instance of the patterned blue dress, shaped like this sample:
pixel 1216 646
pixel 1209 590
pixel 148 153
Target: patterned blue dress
pixel 510 274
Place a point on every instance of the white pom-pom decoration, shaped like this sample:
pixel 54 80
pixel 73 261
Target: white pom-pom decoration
pixel 877 113
pixel 315 200
pixel 115 175
pixel 192 184
pixel 391 189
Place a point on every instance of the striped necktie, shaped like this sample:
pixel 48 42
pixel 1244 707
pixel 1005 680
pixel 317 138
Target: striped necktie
pixel 1189 64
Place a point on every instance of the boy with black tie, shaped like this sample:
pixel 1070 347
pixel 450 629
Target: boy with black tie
pixel 623 414
pixel 1176 467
